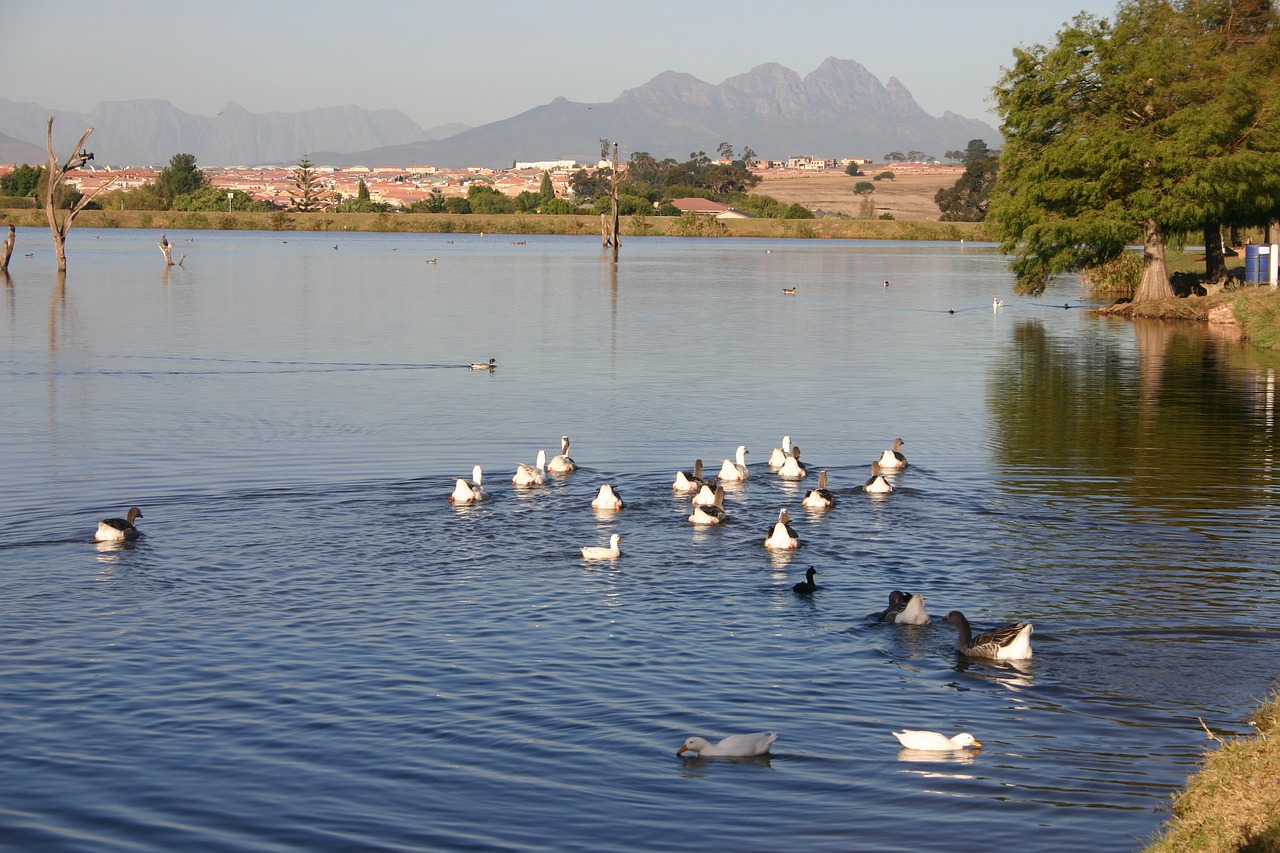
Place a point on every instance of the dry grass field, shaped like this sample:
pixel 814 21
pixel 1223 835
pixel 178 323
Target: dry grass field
pixel 908 197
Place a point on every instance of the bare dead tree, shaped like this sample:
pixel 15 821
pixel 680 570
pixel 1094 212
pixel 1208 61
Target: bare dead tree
pixel 55 177
pixel 167 248
pixel 8 248
pixel 609 235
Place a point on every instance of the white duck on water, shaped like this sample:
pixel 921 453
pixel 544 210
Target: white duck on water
pixel 735 470
pixel 469 491
pixel 598 552
pixel 607 498
pixel 780 454
pixel 877 485
pixel 791 468
pixel 933 741
pixel 562 463
pixel 710 513
pixel 734 746
pixel 532 475
pixel 119 529
pixel 1008 642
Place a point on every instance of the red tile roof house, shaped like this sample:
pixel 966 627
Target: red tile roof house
pixel 707 207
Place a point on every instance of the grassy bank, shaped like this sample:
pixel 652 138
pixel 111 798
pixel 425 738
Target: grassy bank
pixel 1233 804
pixel 445 223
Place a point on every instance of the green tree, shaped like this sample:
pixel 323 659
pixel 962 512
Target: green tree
pixel 1109 141
pixel 976 150
pixel 215 199
pixel 864 188
pixel 22 182
pixel 967 200
pixel 307 190
pixel 546 191
pixel 895 157
pixel 178 178
pixel 486 199
pixel 853 170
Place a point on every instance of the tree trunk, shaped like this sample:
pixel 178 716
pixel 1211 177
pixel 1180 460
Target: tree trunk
pixel 56 173
pixel 167 249
pixel 1155 273
pixel 8 248
pixel 1215 265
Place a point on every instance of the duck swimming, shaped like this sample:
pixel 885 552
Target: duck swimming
pixel 598 552
pixel 480 365
pixel 780 454
pixel 686 482
pixel 736 471
pixel 905 609
pixel 561 463
pixel 893 459
pixel 119 529
pixel 933 741
pixel 806 586
pixel 782 536
pixel 469 491
pixel 877 485
pixel 734 746
pixel 791 468
pixel 821 497
pixel 532 475
pixel 607 498
pixel 710 513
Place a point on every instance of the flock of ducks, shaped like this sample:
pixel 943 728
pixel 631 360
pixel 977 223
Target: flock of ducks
pixel 1008 642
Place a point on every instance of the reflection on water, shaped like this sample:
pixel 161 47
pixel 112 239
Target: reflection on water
pixel 310 629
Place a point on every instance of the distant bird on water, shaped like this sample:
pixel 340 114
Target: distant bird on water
pixel 119 529
pixel 480 365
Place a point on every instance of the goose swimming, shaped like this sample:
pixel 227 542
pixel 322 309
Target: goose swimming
pixel 607 498
pixel 782 536
pixel 736 471
pixel 469 491
pixel 780 454
pixel 877 485
pixel 791 468
pixel 1008 642
pixel 686 482
pixel 905 609
pixel 711 513
pixel 480 365
pixel 598 552
pixel 821 497
pixel 734 746
pixel 119 529
pixel 561 463
pixel 532 475
pixel 892 459
pixel 933 741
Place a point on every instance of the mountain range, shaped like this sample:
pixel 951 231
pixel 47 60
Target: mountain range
pixel 838 110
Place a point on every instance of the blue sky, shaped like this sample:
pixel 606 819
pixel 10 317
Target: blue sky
pixel 483 60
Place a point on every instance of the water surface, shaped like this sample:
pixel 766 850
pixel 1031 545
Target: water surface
pixel 310 648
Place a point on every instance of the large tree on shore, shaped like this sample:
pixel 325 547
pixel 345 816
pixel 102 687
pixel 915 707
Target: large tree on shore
pixel 1129 132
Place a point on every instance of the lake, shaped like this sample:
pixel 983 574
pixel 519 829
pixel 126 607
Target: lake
pixel 311 648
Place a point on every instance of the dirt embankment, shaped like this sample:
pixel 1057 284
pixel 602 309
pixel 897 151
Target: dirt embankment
pixel 909 196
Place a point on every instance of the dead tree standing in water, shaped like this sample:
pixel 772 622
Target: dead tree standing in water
pixel 8 248
pixel 53 180
pixel 167 248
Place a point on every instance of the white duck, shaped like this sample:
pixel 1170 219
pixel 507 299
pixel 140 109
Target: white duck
pixel 782 537
pixel 119 529
pixel 734 746
pixel 607 498
pixel 821 497
pixel 780 454
pixel 877 485
pixel 561 463
pixel 933 741
pixel 905 609
pixel 736 471
pixel 599 552
pixel 791 468
pixel 469 491
pixel 712 513
pixel 532 475
pixel 686 482
pixel 706 495
pixel 480 365
pixel 893 459
pixel 1008 642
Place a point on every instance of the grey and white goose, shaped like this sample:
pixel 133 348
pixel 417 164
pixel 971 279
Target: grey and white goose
pixel 711 513
pixel 791 468
pixel 562 463
pixel 893 459
pixel 877 485
pixel 1008 642
pixel 686 482
pixel 782 536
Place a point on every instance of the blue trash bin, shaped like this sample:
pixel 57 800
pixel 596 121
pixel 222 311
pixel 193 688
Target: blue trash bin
pixel 1252 264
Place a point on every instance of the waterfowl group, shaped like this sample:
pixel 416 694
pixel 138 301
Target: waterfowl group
pixel 119 529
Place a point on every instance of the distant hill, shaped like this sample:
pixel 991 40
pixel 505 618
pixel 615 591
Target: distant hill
pixel 17 152
pixel 840 109
pixel 150 132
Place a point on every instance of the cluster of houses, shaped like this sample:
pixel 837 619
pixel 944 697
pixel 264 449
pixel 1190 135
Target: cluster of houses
pixel 399 186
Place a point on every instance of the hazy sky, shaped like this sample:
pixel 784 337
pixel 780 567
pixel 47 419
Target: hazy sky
pixel 476 61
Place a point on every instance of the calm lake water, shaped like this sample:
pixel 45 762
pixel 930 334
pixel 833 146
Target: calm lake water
pixel 311 649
